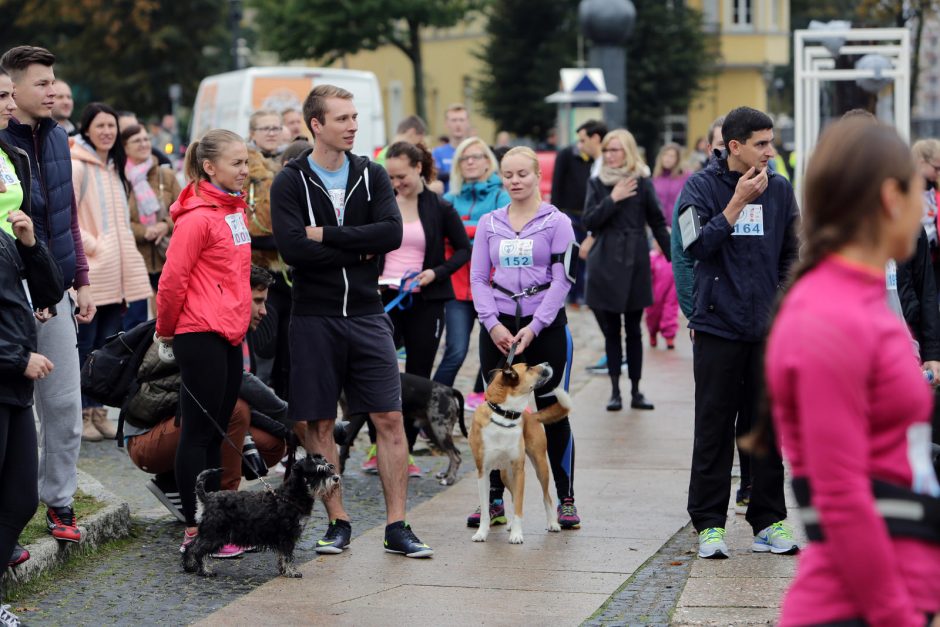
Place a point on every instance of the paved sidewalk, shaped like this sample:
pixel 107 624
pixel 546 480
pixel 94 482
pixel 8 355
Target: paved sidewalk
pixel 631 486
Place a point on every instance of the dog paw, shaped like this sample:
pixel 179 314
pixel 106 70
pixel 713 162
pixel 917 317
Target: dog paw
pixel 440 475
pixel 515 538
pixel 293 574
pixel 479 537
pixel 554 527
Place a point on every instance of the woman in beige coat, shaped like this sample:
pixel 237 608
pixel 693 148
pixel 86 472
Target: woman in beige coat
pixel 116 271
pixel 152 190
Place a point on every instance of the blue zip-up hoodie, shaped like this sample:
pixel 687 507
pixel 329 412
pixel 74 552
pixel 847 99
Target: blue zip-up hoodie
pixel 737 276
pixel 52 198
pixel 477 199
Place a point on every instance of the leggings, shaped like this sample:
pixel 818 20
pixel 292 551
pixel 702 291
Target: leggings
pixel 611 329
pixel 550 346
pixel 211 371
pixel 418 328
pixel 19 464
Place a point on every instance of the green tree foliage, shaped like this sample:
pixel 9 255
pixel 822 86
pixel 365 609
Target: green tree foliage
pixel 669 57
pixel 329 29
pixel 125 52
pixel 529 41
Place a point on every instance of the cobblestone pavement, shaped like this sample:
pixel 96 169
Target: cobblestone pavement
pixel 651 594
pixel 142 583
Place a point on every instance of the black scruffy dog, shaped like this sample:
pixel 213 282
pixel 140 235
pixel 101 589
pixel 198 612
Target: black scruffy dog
pixel 265 520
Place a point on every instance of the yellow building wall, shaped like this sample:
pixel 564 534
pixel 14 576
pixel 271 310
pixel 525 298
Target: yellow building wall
pixel 451 69
pixel 729 89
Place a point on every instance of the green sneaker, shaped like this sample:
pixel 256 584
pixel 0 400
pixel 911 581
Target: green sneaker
pixel 776 539
pixel 711 544
pixel 336 539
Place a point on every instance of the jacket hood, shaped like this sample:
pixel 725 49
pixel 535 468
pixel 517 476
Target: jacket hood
pixel 209 197
pixel 85 152
pixel 544 210
pixel 356 163
pixel 492 185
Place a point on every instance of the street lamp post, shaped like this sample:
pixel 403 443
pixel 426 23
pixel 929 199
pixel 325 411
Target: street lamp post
pixel 609 24
pixel 234 22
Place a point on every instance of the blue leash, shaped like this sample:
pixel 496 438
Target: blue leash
pixel 405 290
pixel 570 348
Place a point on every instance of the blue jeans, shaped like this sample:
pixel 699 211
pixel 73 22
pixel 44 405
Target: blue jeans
pixel 459 316
pixel 107 322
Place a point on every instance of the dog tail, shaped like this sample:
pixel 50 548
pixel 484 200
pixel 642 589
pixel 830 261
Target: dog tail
pixel 201 482
pixel 556 411
pixel 460 411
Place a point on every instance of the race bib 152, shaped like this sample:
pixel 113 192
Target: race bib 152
pixel 516 253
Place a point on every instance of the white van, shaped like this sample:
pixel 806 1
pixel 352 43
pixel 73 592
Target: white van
pixel 227 100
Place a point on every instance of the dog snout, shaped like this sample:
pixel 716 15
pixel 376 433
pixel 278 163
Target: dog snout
pixel 546 373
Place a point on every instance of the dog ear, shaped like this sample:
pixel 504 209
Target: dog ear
pixel 510 375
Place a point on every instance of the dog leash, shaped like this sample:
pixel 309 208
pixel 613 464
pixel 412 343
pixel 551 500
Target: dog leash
pixel 267 486
pixel 406 288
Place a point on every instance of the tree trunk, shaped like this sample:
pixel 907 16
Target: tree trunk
pixel 417 65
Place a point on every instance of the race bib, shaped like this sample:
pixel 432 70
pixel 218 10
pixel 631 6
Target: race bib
pixel 239 231
pixel 338 196
pixel 516 253
pixel 7 173
pixel 751 221
pixel 919 445
pixel 891 275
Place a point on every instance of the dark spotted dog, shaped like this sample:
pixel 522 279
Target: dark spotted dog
pixel 263 519
pixel 431 406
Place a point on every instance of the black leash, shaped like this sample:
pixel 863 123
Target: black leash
pixel 267 486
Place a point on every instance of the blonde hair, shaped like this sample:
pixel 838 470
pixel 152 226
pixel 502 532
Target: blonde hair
pixel 261 113
pixel 455 108
pixel 528 153
pixel 456 176
pixel 633 163
pixel 677 170
pixel 926 149
pixel 210 148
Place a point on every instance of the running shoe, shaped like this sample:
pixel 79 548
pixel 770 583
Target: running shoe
pixel 62 524
pixel 671 343
pixel 413 469
pixel 776 539
pixel 711 544
pixel 474 400
pixel 18 556
pixel 227 552
pixel 601 366
pixel 8 618
pixel 371 463
pixel 497 515
pixel 188 538
pixel 399 538
pixel 568 514
pixel 164 488
pixel 336 539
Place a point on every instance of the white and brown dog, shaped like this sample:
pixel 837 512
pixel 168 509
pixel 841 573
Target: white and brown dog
pixel 504 432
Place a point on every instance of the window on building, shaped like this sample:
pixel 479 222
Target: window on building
pixel 742 13
pixel 711 13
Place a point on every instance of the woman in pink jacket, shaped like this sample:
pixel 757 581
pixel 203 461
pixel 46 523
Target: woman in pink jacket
pixel 849 402
pixel 204 306
pixel 116 268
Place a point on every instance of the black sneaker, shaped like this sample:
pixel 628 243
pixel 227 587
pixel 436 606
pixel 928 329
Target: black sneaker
pixel 164 488
pixel 399 538
pixel 336 539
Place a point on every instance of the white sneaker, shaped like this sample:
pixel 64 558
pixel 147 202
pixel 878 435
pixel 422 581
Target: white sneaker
pixel 8 618
pixel 776 539
pixel 711 544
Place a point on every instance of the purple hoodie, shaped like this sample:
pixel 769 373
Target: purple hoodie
pixel 550 232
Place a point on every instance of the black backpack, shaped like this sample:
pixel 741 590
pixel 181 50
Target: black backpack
pixel 110 372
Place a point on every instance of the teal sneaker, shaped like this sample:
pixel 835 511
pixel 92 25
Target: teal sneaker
pixel 711 544
pixel 336 539
pixel 776 539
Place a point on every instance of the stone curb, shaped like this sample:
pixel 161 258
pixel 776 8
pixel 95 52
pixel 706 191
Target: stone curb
pixel 110 523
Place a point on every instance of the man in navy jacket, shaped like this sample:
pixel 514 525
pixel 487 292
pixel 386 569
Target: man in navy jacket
pixel 55 217
pixel 743 252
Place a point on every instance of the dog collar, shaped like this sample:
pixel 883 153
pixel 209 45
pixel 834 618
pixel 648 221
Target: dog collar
pixel 511 416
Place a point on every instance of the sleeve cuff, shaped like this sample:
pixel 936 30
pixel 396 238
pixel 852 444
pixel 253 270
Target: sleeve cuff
pixel 81 279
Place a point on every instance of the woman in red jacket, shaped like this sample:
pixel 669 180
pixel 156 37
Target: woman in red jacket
pixel 204 304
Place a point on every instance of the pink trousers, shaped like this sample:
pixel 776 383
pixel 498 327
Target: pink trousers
pixel 663 315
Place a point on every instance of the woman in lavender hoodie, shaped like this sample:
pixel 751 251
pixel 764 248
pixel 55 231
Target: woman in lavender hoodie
pixel 513 252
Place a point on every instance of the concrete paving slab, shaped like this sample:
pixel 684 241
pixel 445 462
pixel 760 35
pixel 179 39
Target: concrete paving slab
pixel 730 592
pixel 724 616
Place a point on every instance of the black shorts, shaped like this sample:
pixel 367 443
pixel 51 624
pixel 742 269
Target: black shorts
pixel 333 354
